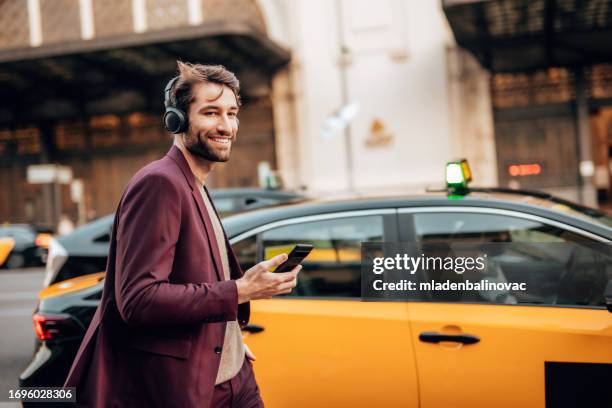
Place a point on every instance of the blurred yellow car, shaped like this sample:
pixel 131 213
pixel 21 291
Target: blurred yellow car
pixel 6 246
pixel 20 245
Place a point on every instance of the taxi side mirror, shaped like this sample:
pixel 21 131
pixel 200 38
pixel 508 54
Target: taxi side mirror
pixel 608 296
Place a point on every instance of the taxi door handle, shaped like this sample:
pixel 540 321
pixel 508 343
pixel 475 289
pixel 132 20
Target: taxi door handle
pixel 433 337
pixel 253 328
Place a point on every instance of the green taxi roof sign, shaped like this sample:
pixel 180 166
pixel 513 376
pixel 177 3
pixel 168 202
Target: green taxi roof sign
pixel 458 175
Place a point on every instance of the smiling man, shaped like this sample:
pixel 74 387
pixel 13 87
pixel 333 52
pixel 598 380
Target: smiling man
pixel 167 330
pixel 212 107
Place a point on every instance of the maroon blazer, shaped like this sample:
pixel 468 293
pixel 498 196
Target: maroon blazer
pixel 157 335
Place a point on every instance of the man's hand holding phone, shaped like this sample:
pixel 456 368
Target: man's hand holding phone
pixel 258 283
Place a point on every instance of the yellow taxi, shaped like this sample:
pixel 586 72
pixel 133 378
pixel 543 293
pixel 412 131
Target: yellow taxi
pixel 21 245
pixel 324 346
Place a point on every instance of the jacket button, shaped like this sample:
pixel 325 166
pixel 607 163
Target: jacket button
pixel 218 350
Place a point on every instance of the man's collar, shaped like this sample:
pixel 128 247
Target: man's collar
pixel 175 154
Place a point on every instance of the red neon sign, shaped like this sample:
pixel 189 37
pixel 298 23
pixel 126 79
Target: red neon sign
pixel 519 170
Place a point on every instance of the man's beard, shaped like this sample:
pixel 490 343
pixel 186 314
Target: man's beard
pixel 199 147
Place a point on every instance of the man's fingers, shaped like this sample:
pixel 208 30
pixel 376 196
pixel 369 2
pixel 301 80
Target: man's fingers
pixel 287 286
pixel 285 291
pixel 270 284
pixel 249 353
pixel 291 275
pixel 287 277
pixel 272 262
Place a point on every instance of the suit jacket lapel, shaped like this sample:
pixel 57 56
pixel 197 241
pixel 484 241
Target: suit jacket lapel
pixel 176 155
pixel 210 233
pixel 235 270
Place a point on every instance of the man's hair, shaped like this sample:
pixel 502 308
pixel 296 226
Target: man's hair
pixel 192 74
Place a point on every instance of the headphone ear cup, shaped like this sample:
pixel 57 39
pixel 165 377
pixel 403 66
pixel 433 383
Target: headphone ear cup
pixel 174 120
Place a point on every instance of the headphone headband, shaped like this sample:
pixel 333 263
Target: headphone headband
pixel 168 92
pixel 175 120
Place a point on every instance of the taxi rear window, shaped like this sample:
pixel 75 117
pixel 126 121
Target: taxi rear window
pixel 572 209
pixel 592 214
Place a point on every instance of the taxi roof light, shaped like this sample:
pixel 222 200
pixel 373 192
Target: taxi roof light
pixel 454 174
pixel 467 173
pixel 458 175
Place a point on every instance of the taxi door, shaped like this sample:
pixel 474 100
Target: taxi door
pixel 524 356
pixel 550 346
pixel 322 346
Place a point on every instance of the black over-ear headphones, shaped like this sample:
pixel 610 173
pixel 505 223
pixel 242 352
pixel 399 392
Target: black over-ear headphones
pixel 175 120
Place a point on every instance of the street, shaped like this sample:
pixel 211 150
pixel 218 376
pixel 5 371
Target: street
pixel 18 294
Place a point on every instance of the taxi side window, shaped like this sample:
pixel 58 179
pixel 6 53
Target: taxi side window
pixel 559 267
pixel 246 252
pixel 333 268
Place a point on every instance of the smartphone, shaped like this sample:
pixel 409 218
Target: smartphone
pixel 296 256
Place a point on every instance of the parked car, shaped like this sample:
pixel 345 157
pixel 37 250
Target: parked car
pixel 523 350
pixel 21 245
pixel 85 250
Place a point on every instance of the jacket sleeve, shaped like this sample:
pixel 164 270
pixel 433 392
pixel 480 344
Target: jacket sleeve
pixel 147 232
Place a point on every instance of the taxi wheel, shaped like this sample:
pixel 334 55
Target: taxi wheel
pixel 15 261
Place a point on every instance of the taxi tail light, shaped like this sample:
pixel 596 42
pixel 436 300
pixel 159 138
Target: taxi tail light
pixel 42 240
pixel 54 326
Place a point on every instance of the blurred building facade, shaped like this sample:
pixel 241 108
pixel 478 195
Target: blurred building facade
pixel 382 98
pixel 522 89
pixel 550 66
pixel 82 83
pixel 338 95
